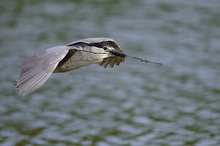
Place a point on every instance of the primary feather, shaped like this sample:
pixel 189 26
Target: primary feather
pixel 38 68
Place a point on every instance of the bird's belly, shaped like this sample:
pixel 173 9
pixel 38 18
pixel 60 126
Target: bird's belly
pixel 81 59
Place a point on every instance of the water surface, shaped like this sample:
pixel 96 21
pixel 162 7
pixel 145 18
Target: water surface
pixel 135 104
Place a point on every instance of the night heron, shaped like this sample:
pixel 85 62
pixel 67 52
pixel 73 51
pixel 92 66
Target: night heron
pixel 38 68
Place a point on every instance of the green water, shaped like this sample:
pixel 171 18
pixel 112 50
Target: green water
pixel 135 104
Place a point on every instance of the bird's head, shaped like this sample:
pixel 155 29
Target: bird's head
pixel 113 51
pixel 110 46
pixel 107 44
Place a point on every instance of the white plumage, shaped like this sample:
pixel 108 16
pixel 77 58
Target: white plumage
pixel 38 68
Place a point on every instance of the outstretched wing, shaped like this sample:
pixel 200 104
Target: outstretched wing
pixel 38 68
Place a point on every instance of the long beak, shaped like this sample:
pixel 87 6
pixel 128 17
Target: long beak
pixel 117 53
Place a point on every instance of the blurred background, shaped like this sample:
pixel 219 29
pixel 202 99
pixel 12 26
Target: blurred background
pixel 136 103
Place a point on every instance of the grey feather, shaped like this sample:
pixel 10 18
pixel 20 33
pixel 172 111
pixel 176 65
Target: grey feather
pixel 38 68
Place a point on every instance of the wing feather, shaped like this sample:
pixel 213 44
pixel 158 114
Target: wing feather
pixel 38 68
pixel 111 61
pixel 105 64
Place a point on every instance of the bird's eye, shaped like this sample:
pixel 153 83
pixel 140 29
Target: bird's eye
pixel 105 48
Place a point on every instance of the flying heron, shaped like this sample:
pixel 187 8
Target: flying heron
pixel 38 68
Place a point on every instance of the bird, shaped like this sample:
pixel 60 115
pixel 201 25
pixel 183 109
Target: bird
pixel 36 69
